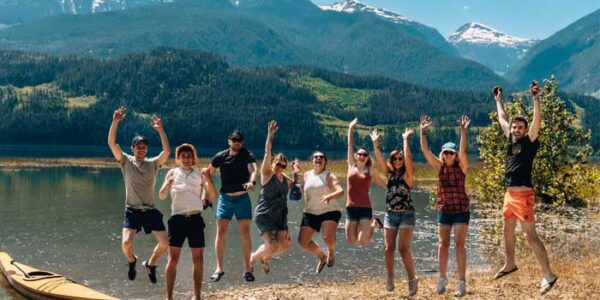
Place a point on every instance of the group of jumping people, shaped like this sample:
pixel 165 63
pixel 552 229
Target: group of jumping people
pixel 191 190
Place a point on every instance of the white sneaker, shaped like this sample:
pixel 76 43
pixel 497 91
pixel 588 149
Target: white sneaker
pixel 389 285
pixel 413 286
pixel 442 283
pixel 461 289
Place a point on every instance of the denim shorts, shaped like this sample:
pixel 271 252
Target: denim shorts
pixel 399 219
pixel 454 218
pixel 359 213
pixel 239 206
pixel 147 219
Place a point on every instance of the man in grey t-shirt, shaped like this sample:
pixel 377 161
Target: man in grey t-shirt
pixel 139 174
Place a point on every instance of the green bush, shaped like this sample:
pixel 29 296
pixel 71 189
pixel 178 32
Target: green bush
pixel 558 173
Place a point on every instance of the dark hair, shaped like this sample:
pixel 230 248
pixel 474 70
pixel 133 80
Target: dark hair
pixel 369 161
pixel 324 158
pixel 279 156
pixel 520 118
pixel 390 165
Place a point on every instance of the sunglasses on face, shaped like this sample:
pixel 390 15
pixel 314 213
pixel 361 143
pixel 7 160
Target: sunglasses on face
pixel 362 154
pixel 318 156
pixel 237 141
pixel 281 166
pixel 448 153
pixel 397 158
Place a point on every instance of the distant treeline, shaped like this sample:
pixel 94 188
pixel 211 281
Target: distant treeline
pixel 70 100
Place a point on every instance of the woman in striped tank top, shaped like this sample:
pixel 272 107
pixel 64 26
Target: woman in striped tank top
pixel 453 202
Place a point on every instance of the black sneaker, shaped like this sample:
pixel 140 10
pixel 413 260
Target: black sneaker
pixel 151 271
pixel 131 272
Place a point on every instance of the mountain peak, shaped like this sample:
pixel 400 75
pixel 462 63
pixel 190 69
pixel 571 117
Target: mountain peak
pixel 478 33
pixel 353 6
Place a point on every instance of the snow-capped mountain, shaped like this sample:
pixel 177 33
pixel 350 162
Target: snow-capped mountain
pixel 489 46
pixel 430 34
pixel 352 6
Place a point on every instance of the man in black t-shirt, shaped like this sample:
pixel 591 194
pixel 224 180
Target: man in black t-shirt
pixel 519 199
pixel 238 177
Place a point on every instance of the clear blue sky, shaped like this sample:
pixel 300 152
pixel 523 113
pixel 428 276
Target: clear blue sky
pixel 523 18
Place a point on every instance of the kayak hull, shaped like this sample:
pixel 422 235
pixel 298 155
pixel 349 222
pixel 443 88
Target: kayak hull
pixel 42 285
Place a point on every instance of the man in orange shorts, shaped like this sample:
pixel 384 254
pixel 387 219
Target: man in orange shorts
pixel 519 199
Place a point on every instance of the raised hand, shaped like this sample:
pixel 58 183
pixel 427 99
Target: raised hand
pixel 497 91
pixel 272 128
pixel 296 166
pixel 156 123
pixel 424 123
pixel 407 133
pixel 119 114
pixel 353 123
pixel 534 88
pixel 375 136
pixel 205 172
pixel 170 178
pixel 464 122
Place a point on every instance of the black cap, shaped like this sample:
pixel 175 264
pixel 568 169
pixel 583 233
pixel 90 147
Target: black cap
pixel 138 139
pixel 236 135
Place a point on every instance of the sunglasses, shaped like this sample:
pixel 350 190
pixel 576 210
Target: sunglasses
pixel 362 154
pixel 281 166
pixel 397 158
pixel 448 153
pixel 318 156
pixel 237 141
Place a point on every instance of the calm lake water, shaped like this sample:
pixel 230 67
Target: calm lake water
pixel 68 220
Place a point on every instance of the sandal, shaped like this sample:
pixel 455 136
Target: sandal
pixel 330 261
pixel 248 276
pixel 216 276
pixel 501 274
pixel 321 265
pixel 546 285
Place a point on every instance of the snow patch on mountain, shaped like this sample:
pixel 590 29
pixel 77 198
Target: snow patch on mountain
pixel 477 33
pixel 353 6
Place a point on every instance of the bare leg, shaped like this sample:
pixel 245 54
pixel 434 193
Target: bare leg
pixel 538 248
pixel 351 232
pixel 365 231
pixel 171 270
pixel 329 232
pixel 460 235
pixel 404 242
pixel 283 237
pixel 222 227
pixel 267 249
pixel 127 244
pixel 509 244
pixel 307 243
pixel 246 243
pixel 161 246
pixel 198 260
pixel 443 248
pixel 390 249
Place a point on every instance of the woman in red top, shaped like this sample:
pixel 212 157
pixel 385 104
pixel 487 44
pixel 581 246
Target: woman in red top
pixel 359 213
pixel 453 203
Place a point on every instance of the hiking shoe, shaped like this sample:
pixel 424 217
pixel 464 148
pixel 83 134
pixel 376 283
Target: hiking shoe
pixel 413 286
pixel 389 285
pixel 442 283
pixel 131 272
pixel 461 289
pixel 151 271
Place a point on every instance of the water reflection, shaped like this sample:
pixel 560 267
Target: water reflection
pixel 68 220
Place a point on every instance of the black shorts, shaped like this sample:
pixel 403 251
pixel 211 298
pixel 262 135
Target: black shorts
pixel 190 228
pixel 359 213
pixel 315 221
pixel 148 219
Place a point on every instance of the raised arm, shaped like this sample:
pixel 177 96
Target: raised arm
pixel 408 161
pixel 375 136
pixel 164 140
pixel 502 116
pixel 265 168
pixel 351 142
pixel 462 152
pixel 118 116
pixel 165 189
pixel 210 191
pixel 429 157
pixel 534 130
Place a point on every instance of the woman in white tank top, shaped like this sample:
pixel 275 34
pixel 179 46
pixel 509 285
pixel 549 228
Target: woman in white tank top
pixel 321 211
pixel 188 188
